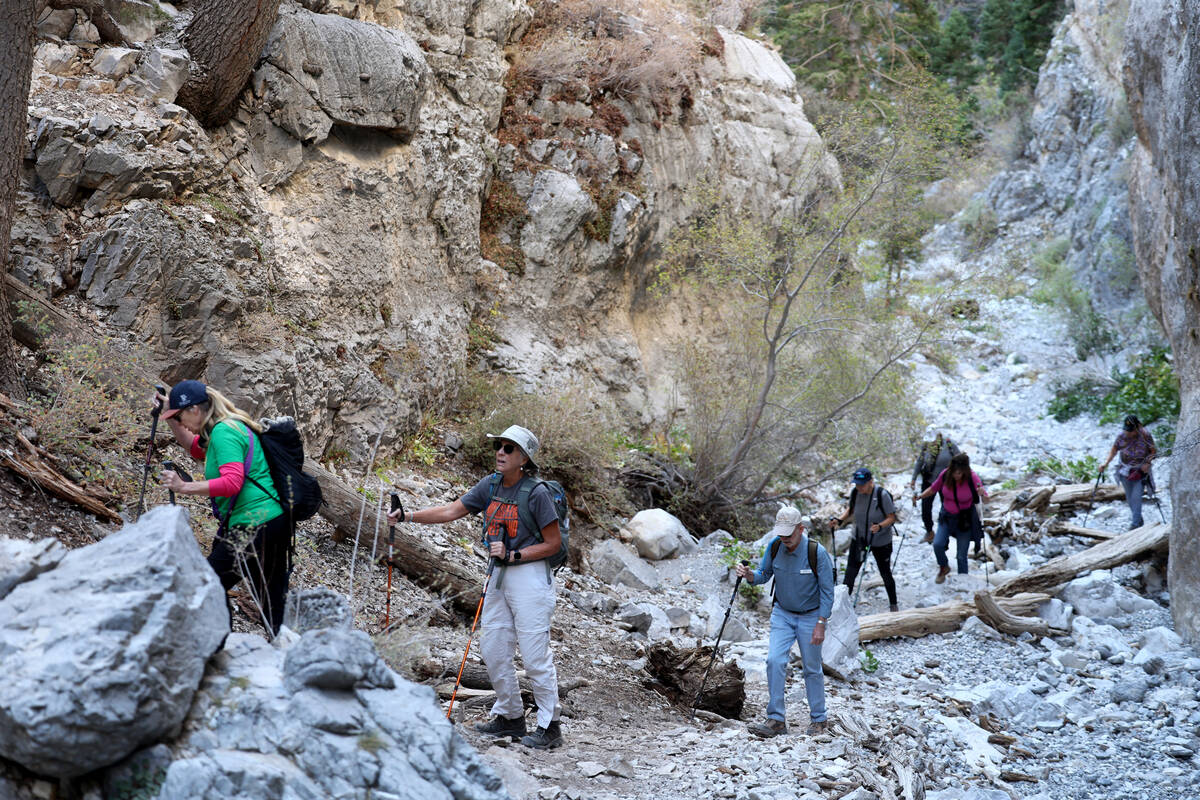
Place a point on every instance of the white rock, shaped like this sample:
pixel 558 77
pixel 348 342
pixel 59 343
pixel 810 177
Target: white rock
pixel 114 62
pixel 658 534
pixel 557 206
pixel 104 652
pixel 614 562
pixel 1056 613
pixel 1096 595
pixel 1160 641
pixel 22 561
pixel 973 745
pixel 56 58
pixel 1104 639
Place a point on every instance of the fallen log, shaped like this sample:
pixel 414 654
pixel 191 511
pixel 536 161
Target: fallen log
pixel 917 622
pixel 677 675
pixel 456 578
pixel 1111 553
pixel 1065 496
pixel 1060 528
pixel 1005 621
pixel 476 683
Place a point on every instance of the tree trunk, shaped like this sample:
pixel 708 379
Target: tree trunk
pixel 16 64
pixel 224 39
pixel 917 622
pixel 991 612
pixel 1059 528
pixel 679 673
pixel 1104 555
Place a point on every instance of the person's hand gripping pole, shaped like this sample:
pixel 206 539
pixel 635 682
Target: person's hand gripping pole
pixel 155 411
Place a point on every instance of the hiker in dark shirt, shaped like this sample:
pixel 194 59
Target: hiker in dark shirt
pixel 934 457
pixel 803 602
pixel 873 513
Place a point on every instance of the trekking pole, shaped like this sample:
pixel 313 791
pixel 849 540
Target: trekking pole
pixel 862 576
pixel 899 547
pixel 182 476
pixel 486 580
pixel 154 412
pixel 1092 499
pixel 1154 498
pixel 387 608
pixel 717 643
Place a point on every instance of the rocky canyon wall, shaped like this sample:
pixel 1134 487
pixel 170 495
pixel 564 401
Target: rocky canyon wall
pixel 1162 79
pixel 320 254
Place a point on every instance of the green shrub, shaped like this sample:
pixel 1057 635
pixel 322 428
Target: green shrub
pixel 735 551
pixel 1085 396
pixel 1077 471
pixel 868 660
pixel 1090 331
pixel 978 222
pixel 1151 391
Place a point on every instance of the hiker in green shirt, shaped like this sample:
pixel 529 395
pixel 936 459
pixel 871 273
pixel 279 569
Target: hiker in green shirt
pixel 253 534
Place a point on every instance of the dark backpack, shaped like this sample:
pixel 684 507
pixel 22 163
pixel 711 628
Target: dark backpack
pixel 812 560
pixel 297 491
pixel 558 496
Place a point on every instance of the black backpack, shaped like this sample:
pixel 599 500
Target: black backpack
pixel 558 496
pixel 297 491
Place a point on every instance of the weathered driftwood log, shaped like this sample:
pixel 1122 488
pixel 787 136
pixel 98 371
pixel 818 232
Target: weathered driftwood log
pixel 1006 622
pixel 1060 528
pixel 475 679
pixel 1065 496
pixel 677 675
pixel 459 579
pixel 1106 554
pixel 917 622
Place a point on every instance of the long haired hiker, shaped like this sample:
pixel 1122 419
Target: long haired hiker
pixel 873 513
pixel 1136 446
pixel 520 595
pixel 803 601
pixel 253 534
pixel 934 457
pixel 960 489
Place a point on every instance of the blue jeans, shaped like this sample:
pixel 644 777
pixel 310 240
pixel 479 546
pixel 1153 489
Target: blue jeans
pixel 947 527
pixel 786 628
pixel 1133 496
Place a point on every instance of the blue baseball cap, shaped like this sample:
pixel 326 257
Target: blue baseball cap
pixel 862 475
pixel 185 394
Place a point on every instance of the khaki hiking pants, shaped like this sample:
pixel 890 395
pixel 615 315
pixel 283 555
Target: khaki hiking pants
pixel 517 612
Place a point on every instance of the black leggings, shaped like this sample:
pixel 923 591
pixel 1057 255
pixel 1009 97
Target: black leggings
pixel 883 557
pixel 927 506
pixel 261 555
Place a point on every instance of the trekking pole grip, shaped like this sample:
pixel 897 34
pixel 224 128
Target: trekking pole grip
pixel 158 406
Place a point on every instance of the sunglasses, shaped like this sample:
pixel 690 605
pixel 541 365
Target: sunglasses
pixel 508 447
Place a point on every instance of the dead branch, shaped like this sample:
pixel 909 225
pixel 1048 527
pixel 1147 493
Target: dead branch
pixel 917 622
pixel 1111 553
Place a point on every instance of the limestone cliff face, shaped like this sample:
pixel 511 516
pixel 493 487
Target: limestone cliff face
pixel 1162 78
pixel 320 254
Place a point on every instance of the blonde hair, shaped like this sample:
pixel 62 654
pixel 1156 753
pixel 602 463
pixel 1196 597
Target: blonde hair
pixel 220 408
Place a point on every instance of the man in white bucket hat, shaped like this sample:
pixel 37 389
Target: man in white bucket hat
pixel 520 594
pixel 802 601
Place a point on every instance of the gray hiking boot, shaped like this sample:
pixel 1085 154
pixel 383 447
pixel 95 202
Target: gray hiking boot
pixel 772 727
pixel 502 726
pixel 817 728
pixel 545 738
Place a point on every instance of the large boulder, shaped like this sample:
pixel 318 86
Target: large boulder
pixel 614 562
pixel 839 654
pixel 1096 595
pixel 323 70
pixel 319 716
pixel 104 652
pixel 658 534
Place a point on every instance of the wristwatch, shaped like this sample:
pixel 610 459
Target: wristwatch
pixel 822 620
pixel 516 555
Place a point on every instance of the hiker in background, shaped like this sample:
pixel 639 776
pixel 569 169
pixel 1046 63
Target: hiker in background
pixel 520 594
pixel 253 533
pixel 873 513
pixel 934 457
pixel 959 488
pixel 1136 446
pixel 803 600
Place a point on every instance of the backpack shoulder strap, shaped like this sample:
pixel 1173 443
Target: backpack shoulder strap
pixel 853 497
pixel 812 557
pixel 775 547
pixel 524 514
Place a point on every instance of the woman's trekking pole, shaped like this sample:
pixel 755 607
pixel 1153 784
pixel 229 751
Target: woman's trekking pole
pixel 182 476
pixel 387 607
pixel 899 547
pixel 717 643
pixel 1154 498
pixel 154 412
pixel 1092 499
pixel 486 580
pixel 862 576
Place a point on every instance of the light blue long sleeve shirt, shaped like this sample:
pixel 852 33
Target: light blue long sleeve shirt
pixel 796 588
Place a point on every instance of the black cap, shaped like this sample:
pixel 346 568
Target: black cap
pixel 184 395
pixel 862 475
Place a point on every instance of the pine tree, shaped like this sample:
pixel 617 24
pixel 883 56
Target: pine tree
pixel 995 28
pixel 951 54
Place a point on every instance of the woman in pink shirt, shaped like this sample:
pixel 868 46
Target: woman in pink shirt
pixel 959 488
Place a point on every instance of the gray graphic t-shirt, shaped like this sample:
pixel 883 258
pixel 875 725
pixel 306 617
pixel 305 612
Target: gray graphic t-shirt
pixel 500 511
pixel 867 512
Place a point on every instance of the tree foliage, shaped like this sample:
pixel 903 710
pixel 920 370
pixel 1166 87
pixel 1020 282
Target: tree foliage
pixel 800 375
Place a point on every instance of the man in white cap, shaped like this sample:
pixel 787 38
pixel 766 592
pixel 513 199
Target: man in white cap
pixel 520 598
pixel 803 600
